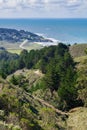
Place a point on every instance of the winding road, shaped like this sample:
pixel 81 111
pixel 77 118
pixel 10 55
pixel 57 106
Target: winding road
pixel 22 44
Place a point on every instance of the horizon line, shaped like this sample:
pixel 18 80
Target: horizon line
pixel 46 18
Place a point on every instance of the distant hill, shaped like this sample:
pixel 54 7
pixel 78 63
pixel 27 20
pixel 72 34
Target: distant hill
pixel 13 36
pixel 78 50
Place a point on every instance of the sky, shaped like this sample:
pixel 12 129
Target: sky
pixel 43 8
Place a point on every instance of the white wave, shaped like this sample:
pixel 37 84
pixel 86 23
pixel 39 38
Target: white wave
pixel 45 37
pixel 46 43
pixel 54 41
pixel 40 34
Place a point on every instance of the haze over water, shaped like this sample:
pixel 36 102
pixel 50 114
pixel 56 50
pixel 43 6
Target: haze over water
pixel 64 30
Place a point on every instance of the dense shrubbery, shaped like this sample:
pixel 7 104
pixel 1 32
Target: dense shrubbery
pixel 60 77
pixel 9 63
pixel 54 61
pixel 81 83
pixel 17 110
pixel 20 80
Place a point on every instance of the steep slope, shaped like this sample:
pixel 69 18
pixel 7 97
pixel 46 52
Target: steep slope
pixel 22 111
pixel 29 103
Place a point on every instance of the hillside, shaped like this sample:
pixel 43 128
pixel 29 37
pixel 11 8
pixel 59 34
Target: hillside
pixel 32 76
pixel 43 90
pixel 78 50
pixel 77 119
pixel 22 111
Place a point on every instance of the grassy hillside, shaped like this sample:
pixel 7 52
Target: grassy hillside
pixel 77 119
pixel 15 47
pixel 78 50
pixel 35 113
pixel 45 92
pixel 31 76
pixel 17 51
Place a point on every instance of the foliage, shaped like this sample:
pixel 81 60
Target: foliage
pixel 8 63
pixel 81 83
pixel 20 80
pixel 55 62
pixel 37 86
pixel 52 78
pixel 61 76
pixel 17 109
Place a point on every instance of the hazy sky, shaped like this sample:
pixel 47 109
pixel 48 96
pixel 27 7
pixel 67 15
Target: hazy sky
pixel 43 8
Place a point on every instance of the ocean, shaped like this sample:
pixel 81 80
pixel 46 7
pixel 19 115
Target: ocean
pixel 69 31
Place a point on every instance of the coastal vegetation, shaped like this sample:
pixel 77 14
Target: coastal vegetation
pixel 43 89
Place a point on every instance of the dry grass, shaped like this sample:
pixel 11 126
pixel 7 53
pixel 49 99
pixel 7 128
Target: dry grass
pixel 17 51
pixel 77 120
pixel 78 50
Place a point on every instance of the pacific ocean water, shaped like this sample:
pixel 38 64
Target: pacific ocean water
pixel 65 30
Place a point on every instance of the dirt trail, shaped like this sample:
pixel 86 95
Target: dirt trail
pixel 48 105
pixel 51 106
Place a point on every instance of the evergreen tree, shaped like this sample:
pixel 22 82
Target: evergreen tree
pixel 52 78
pixel 23 59
pixel 67 90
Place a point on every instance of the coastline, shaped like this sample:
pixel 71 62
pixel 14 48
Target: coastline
pixel 54 41
pixel 43 44
pixel 67 30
